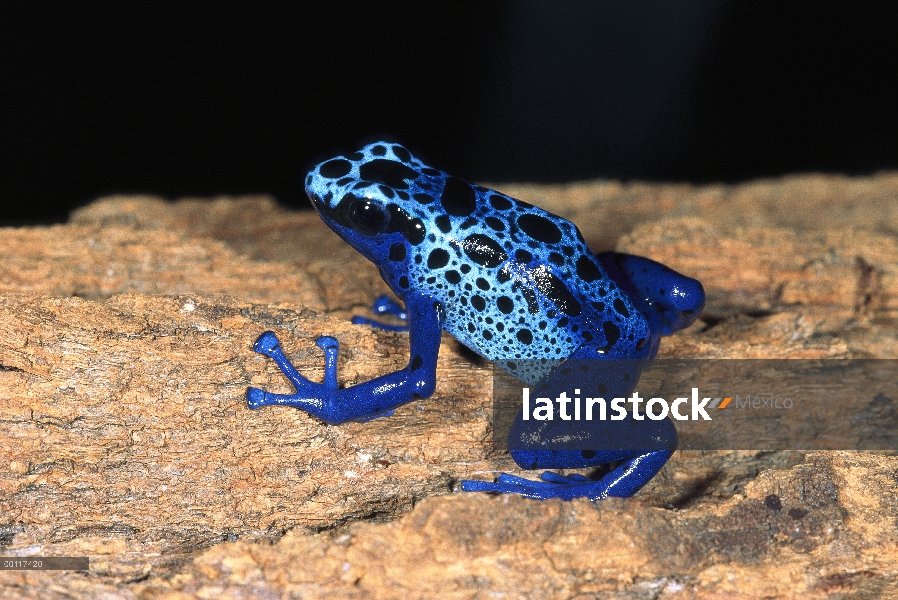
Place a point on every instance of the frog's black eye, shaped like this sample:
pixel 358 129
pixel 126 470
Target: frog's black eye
pixel 368 217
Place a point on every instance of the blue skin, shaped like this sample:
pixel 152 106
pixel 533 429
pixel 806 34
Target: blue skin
pixel 514 283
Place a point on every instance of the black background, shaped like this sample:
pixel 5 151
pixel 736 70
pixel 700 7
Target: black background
pixel 200 100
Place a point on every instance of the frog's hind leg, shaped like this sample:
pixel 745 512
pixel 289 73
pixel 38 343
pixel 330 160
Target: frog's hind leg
pixel 364 401
pixel 642 449
pixel 384 305
pixel 674 301
pixel 624 481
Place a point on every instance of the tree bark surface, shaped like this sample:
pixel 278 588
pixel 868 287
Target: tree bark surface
pixel 126 349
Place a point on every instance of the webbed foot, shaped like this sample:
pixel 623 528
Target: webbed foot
pixel 307 391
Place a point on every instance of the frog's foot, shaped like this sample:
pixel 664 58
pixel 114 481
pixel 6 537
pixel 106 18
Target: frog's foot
pixel 370 399
pixel 624 481
pixel 383 305
pixel 316 398
pixel 306 391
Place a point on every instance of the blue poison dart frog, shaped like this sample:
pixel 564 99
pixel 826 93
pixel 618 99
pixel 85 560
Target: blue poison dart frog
pixel 517 285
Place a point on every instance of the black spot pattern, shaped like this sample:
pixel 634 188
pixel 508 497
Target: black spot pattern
pixel 402 154
pixel 484 251
pixel 412 228
pixel 397 252
pixel 500 202
pixel 621 308
pixel 555 290
pixel 443 223
pixel 438 259
pixel 505 304
pixel 530 298
pixel 612 333
pixel 333 169
pixel 387 172
pixel 495 224
pixel 540 228
pixel 414 231
pixel 587 269
pixel 458 198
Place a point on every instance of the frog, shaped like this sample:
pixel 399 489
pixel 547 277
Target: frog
pixel 516 284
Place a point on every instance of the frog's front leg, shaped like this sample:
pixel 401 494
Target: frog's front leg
pixel 369 399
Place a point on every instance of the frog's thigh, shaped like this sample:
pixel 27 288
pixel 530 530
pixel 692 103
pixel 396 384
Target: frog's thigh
pixel 676 298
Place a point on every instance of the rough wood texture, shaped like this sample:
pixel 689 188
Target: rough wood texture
pixel 125 350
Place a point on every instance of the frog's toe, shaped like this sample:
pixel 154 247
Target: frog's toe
pixel 566 479
pixel 514 480
pixel 474 485
pixel 308 397
pixel 255 397
pixel 552 486
pixel 267 343
pixel 357 320
pixel 384 306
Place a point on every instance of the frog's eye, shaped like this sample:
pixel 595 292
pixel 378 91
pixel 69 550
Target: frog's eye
pixel 368 217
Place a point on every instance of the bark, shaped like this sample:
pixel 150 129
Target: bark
pixel 126 348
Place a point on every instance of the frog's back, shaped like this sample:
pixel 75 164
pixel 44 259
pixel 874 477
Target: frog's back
pixel 518 284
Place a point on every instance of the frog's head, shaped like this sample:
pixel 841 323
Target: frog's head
pixel 366 197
